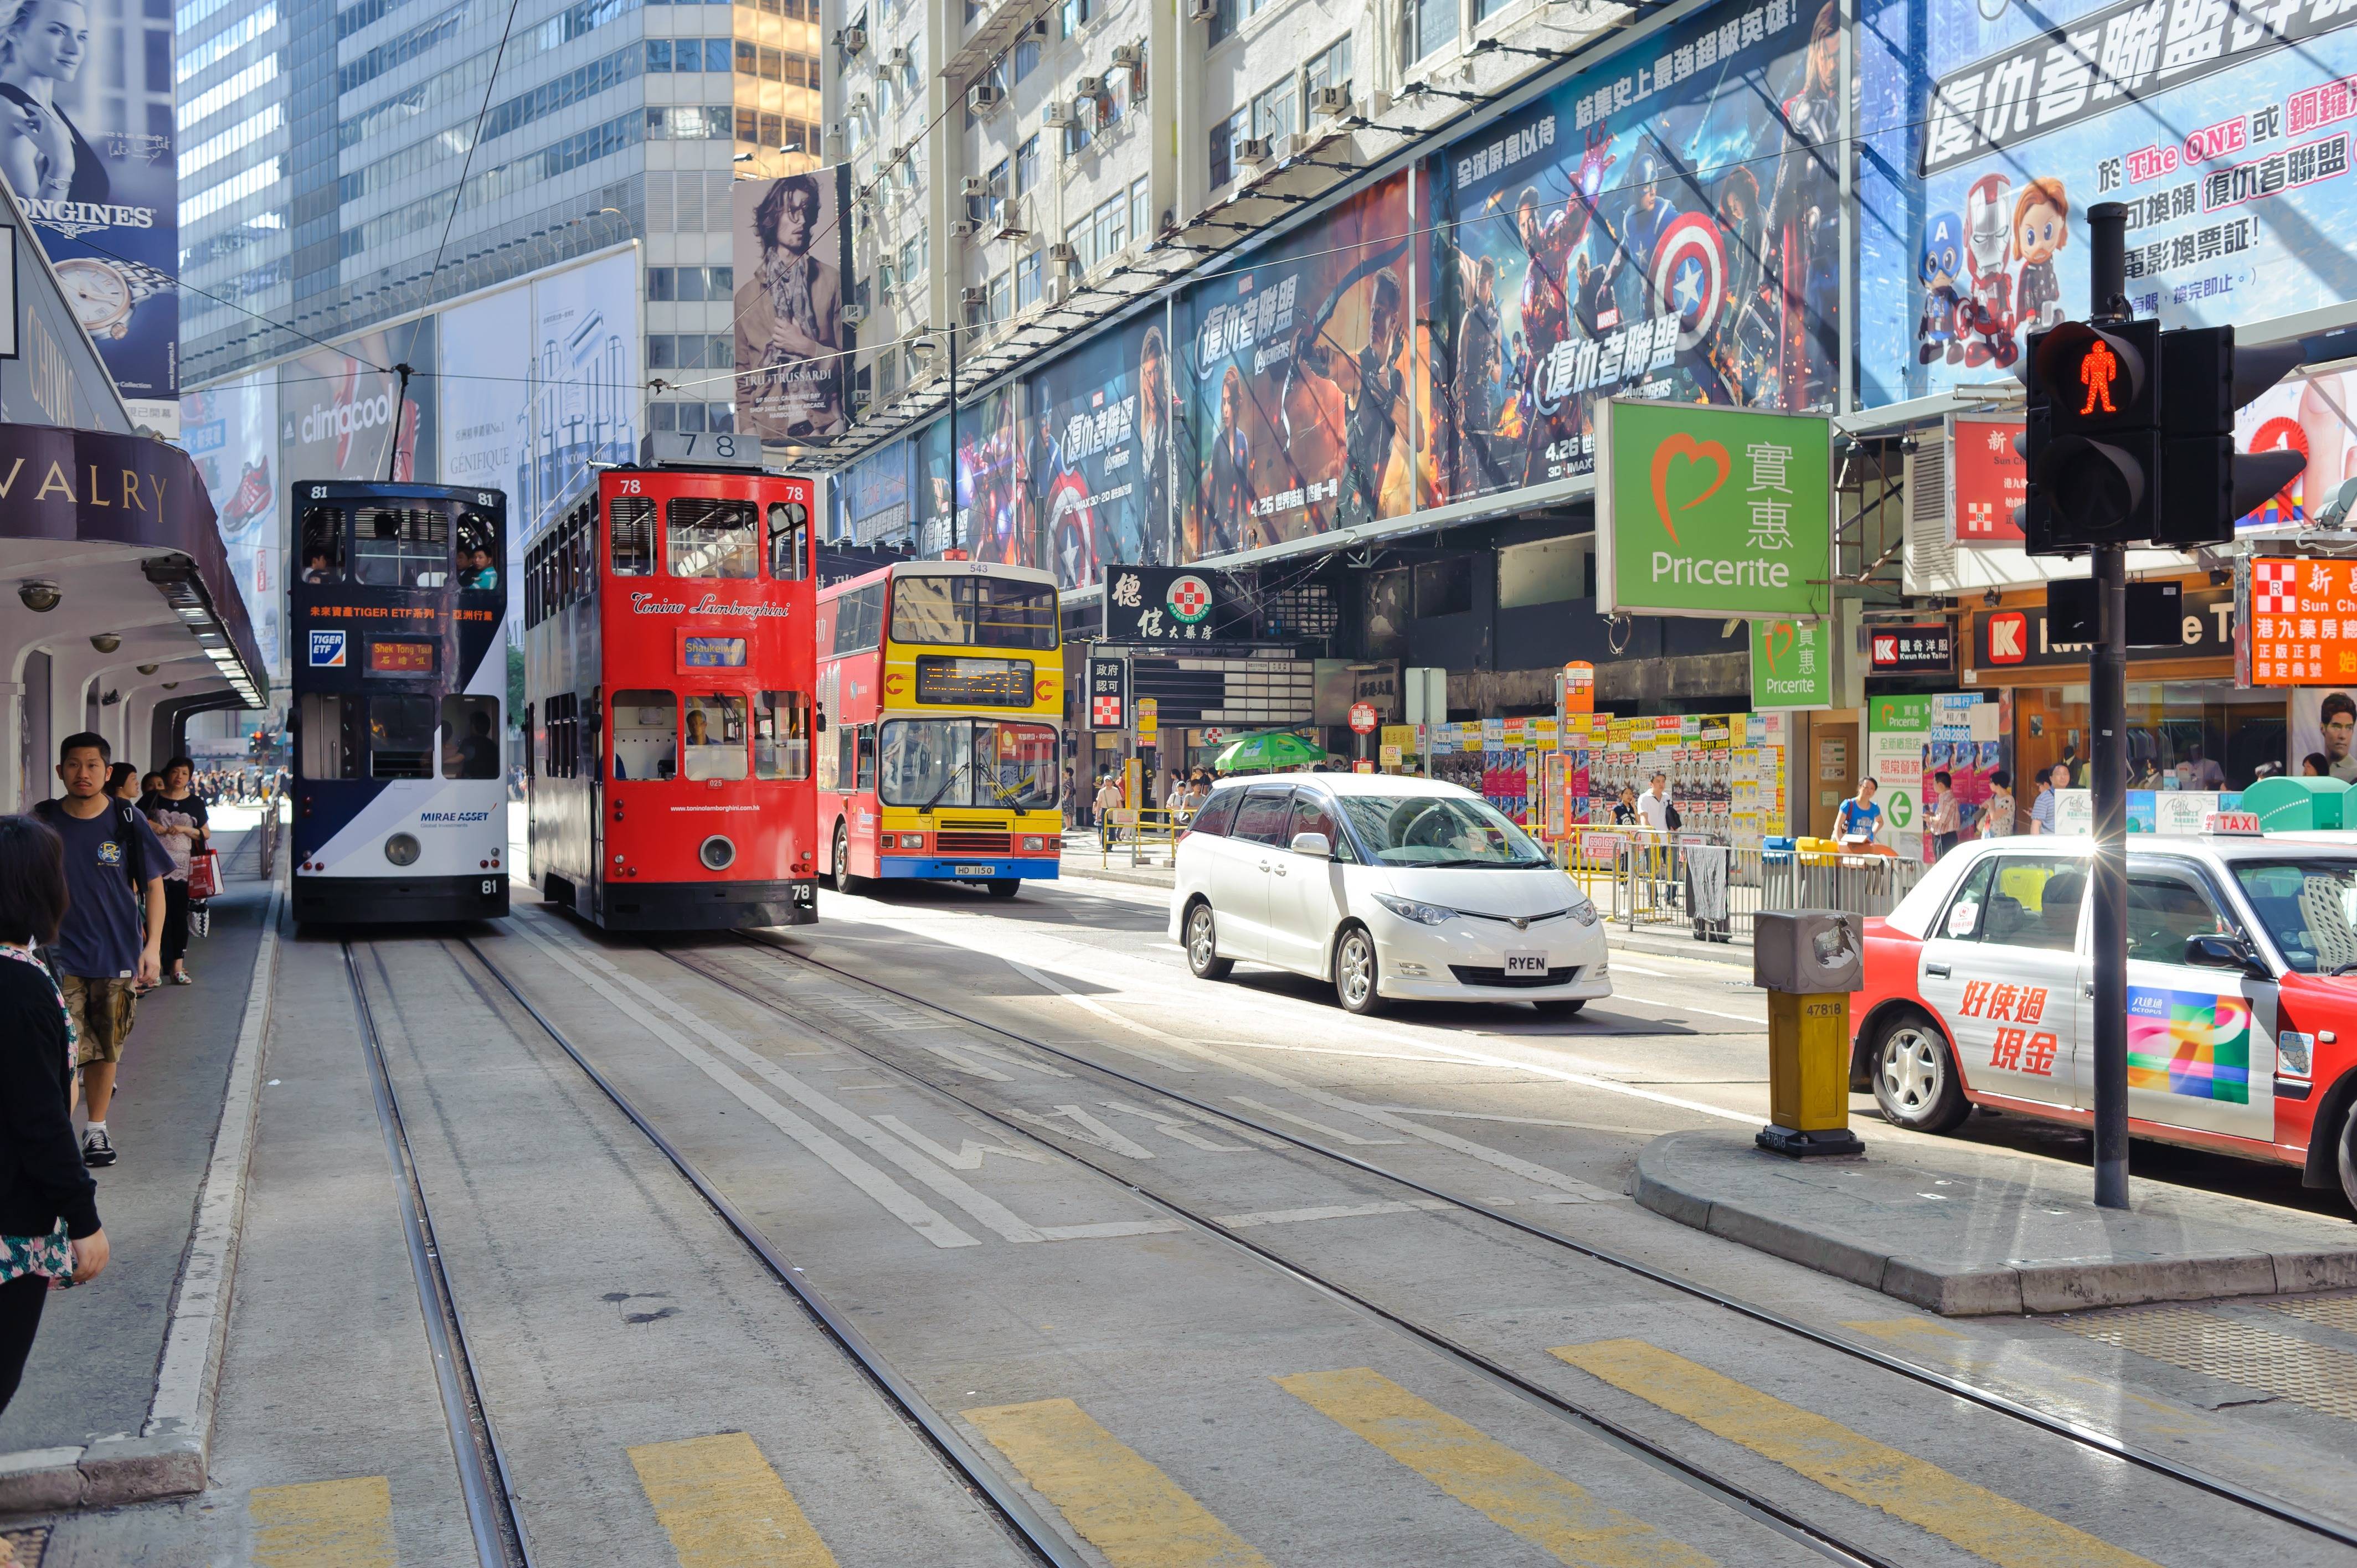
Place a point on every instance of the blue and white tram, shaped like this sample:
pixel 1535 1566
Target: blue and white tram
pixel 397 608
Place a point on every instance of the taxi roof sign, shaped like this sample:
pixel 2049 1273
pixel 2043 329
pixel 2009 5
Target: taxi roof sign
pixel 2243 824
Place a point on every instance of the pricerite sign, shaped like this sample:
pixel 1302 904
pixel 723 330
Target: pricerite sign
pixel 1791 664
pixel 1713 511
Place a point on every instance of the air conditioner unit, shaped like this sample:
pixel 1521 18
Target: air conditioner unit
pixel 896 60
pixel 1011 225
pixel 964 229
pixel 853 315
pixel 851 41
pixel 1056 116
pixel 983 97
pixel 1037 27
pixel 972 298
pixel 1330 101
pixel 831 145
pixel 1202 10
pixel 1089 87
pixel 861 401
pixel 1063 255
pixel 974 185
pixel 1052 294
pixel 1128 57
pixel 1251 149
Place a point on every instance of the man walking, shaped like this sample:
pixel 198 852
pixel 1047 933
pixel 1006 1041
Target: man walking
pixel 112 938
pixel 1946 826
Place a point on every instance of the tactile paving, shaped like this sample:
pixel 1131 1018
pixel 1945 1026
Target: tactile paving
pixel 2232 1350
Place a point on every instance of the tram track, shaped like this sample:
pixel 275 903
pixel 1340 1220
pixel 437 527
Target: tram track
pixel 1990 1400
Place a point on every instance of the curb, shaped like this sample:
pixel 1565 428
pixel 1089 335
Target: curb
pixel 2010 1288
pixel 173 1451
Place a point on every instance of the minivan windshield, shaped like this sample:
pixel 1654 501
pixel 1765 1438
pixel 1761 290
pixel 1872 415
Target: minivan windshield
pixel 1439 830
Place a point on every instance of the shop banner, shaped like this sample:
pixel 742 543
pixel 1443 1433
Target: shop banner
pixel 94 172
pixel 792 251
pixel 1988 477
pixel 2004 639
pixel 1929 648
pixel 1296 368
pixel 1105 420
pixel 1170 604
pixel 343 414
pixel 2225 129
pixel 231 431
pixel 1666 225
pixel 2303 621
pixel 1712 511
pixel 1896 729
pixel 1791 664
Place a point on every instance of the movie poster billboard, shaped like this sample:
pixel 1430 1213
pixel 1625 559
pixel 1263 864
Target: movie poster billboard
pixel 95 174
pixel 792 252
pixel 1664 225
pixel 1105 419
pixel 1296 373
pixel 996 519
pixel 342 414
pixel 2225 131
pixel 231 431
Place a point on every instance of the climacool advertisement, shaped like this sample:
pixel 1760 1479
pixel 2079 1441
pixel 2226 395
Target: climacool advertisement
pixel 1297 372
pixel 2225 130
pixel 340 416
pixel 1105 420
pixel 1666 225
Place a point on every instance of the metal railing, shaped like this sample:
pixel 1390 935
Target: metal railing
pixel 1645 879
pixel 1139 827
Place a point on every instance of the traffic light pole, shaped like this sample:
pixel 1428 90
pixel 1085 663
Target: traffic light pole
pixel 2108 707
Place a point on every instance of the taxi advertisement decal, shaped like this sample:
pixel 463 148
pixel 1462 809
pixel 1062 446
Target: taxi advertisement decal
pixel 2189 1043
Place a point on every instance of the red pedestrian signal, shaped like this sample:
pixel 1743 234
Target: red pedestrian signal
pixel 2090 435
pixel 2097 368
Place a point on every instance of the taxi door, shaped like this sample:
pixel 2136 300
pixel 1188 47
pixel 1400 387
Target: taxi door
pixel 2201 1040
pixel 2007 972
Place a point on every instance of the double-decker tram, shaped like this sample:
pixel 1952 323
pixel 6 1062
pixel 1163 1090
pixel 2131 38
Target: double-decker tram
pixel 396 604
pixel 943 681
pixel 668 667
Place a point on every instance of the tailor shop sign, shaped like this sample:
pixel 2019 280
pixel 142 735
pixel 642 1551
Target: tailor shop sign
pixel 90 484
pixel 2014 639
pixel 1713 512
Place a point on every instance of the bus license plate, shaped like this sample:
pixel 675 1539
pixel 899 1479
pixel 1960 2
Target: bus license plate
pixel 975 870
pixel 1530 963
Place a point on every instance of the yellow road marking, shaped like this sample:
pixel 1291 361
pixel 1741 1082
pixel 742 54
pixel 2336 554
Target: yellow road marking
pixel 1900 1330
pixel 323 1524
pixel 1847 1462
pixel 724 1508
pixel 1526 1498
pixel 1119 1501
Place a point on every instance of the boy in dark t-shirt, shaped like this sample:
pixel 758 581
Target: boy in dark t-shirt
pixel 111 942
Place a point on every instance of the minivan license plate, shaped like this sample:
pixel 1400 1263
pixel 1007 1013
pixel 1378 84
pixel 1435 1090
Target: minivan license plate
pixel 975 870
pixel 1532 963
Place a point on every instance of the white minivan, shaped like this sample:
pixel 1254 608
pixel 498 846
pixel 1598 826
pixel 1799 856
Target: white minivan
pixel 1393 888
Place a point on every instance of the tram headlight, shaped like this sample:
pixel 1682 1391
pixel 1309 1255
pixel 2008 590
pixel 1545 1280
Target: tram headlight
pixel 718 852
pixel 403 848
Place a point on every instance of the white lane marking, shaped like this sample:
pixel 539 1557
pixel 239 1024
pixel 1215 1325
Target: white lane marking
pixel 896 1200
pixel 988 1074
pixel 969 1154
pixel 1108 1227
pixel 999 1054
pixel 1329 1211
pixel 1086 1129
pixel 1170 1126
pixel 1759 1018
pixel 1336 1134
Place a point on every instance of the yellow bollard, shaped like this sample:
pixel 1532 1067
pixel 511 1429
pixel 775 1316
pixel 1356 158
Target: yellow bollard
pixel 1808 961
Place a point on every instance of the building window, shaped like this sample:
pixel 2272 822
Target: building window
pixel 1332 68
pixel 1002 298
pixel 1026 166
pixel 1141 207
pixel 660 284
pixel 886 279
pixel 1225 137
pixel 887 372
pixel 1112 222
pixel 1224 21
pixel 1027 58
pixel 1273 112
pixel 1026 281
pixel 1084 247
pixel 1435 24
pixel 996 203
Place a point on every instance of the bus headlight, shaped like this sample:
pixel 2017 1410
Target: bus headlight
pixel 1035 843
pixel 403 848
pixel 717 852
pixel 912 841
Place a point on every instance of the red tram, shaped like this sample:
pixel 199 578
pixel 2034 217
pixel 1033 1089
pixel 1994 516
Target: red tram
pixel 668 667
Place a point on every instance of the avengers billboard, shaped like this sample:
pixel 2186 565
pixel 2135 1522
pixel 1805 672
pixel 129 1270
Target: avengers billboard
pixel 1664 225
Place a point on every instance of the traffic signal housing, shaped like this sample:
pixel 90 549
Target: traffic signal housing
pixel 2205 379
pixel 2092 435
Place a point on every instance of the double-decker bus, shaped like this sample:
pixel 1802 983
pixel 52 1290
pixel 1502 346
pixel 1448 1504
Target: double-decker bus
pixel 668 664
pixel 397 603
pixel 944 682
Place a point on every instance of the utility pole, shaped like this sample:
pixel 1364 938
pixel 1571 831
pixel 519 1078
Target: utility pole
pixel 2108 707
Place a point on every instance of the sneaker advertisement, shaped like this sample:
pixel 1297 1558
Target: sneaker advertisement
pixel 232 430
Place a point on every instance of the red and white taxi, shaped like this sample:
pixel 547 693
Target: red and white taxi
pixel 2241 995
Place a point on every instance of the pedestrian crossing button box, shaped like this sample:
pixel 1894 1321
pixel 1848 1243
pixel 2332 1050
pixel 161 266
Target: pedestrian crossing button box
pixel 1807 952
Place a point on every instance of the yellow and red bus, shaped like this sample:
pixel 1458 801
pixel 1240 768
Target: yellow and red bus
pixel 942 687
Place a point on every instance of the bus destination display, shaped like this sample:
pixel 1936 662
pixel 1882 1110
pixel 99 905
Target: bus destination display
pixel 389 656
pixel 977 682
pixel 712 652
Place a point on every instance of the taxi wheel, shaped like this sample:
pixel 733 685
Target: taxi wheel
pixel 843 877
pixel 1202 934
pixel 2348 1157
pixel 1915 1076
pixel 1354 972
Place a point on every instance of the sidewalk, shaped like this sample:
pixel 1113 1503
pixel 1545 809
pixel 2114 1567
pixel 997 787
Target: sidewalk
pixel 116 1401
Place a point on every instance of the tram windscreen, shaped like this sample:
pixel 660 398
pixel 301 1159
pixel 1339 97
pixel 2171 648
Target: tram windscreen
pixel 401 547
pixel 401 736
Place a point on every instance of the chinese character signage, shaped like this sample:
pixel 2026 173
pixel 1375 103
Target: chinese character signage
pixel 2225 129
pixel 1987 479
pixel 1713 512
pixel 1926 649
pixel 1665 224
pixel 1170 604
pixel 2303 622
pixel 1108 694
pixel 1791 664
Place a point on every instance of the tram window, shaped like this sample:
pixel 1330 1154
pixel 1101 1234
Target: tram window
pixel 716 736
pixel 866 775
pixel 478 552
pixel 402 547
pixel 789 541
pixel 858 618
pixel 646 735
pixel 332 735
pixel 711 538
pixel 323 545
pixel 401 736
pixel 782 732
pixel 632 522
pixel 470 737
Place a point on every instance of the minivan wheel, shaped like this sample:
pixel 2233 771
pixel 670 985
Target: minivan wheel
pixel 1202 934
pixel 1355 971
pixel 1915 1076
pixel 843 877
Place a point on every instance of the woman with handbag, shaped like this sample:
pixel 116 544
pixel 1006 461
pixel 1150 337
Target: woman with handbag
pixel 178 814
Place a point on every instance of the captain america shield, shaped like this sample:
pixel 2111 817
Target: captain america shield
pixel 1690 275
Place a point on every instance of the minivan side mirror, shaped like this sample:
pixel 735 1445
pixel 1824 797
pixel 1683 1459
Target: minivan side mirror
pixel 2213 949
pixel 1316 845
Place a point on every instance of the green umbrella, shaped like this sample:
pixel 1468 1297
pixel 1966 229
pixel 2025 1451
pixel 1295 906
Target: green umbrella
pixel 1269 751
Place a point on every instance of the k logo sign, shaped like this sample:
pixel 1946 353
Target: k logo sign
pixel 2008 637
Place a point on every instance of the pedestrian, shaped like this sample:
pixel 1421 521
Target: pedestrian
pixel 2315 766
pixel 100 953
pixel 1945 824
pixel 122 783
pixel 1997 816
pixel 2041 810
pixel 1064 789
pixel 1859 819
pixel 50 1231
pixel 180 820
pixel 1108 801
pixel 1624 809
pixel 1653 806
